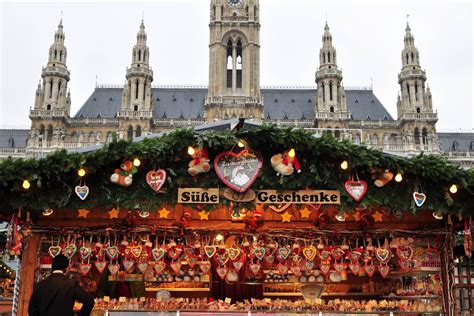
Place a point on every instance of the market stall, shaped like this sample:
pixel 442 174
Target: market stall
pixel 264 219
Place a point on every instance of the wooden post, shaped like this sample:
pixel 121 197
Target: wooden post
pixel 27 274
pixel 447 274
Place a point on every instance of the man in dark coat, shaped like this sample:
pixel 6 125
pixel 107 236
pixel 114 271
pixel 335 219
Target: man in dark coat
pixel 56 294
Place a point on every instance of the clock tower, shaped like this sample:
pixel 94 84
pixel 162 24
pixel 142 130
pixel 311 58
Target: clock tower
pixel 234 61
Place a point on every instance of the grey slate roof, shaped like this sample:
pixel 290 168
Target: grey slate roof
pixel 13 138
pixel 463 141
pixel 189 103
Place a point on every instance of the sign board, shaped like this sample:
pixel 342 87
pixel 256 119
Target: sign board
pixel 198 195
pixel 299 197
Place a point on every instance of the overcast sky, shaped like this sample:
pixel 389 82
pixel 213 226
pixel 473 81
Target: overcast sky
pixel 368 37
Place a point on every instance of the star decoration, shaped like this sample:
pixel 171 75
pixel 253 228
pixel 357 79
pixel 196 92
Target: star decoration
pixel 204 216
pixel 113 213
pixel 378 216
pixel 357 215
pixel 83 212
pixel 164 212
pixel 286 217
pixel 305 213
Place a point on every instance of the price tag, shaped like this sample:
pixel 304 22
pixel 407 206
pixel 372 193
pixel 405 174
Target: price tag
pixel 122 299
pixel 106 299
pixel 142 299
pixel 268 300
pixel 227 300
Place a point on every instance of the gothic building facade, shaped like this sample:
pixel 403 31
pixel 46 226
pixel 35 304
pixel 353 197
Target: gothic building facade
pixel 137 108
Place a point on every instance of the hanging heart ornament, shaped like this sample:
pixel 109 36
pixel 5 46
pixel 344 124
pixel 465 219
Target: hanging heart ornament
pixel 259 252
pixel 100 265
pixel 205 267
pixel 54 251
pixel 158 253
pixel 159 267
pixel 238 170
pixel 113 268
pixel 284 252
pixel 233 253
pixel 70 250
pixel 404 253
pixel 112 252
pixel 310 252
pixel 156 179
pixel 356 189
pixel 136 251
pixel 419 198
pixel 142 266
pixel 237 265
pixel 176 266
pixel 383 255
pixel 210 251
pixel 355 268
pixel 85 268
pixel 82 191
pixel 384 270
pixel 221 271
pixel 85 252
pixel 128 265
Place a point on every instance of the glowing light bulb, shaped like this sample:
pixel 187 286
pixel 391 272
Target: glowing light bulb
pixel 26 184
pixel 398 177
pixel 344 165
pixel 241 144
pixel 291 153
pixel 81 172
pixel 136 162
pixel 191 150
pixel 219 237
pixel 453 189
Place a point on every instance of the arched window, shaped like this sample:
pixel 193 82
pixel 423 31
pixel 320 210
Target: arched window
pixel 59 86
pixel 471 146
pixel 91 138
pixel 424 135
pixel 329 57
pixel 138 131
pixel 330 90
pixel 230 64
pixel 417 135
pixel 357 139
pixel 412 58
pixel 110 137
pixel 137 84
pixel 331 109
pixel 416 91
pixel 455 146
pixel 239 65
pixel 407 58
pixel 408 92
pixel 48 107
pixel 375 139
pixel 49 134
pixel 130 132
pixel 55 54
pixel 41 134
pixel 135 108
pixel 51 88
pixel 60 55
pixel 74 137
pixel 139 55
pixel 324 57
pixel 418 110
pixel 324 91
pixel 98 137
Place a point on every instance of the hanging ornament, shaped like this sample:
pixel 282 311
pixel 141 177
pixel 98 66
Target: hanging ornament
pixel 384 270
pixel 237 265
pixel 100 265
pixel 124 175
pixel 142 266
pixel 176 266
pixel 156 179
pixel 259 252
pixel 380 176
pixel 205 267
pixel 238 170
pixel 112 252
pixel 221 272
pixel 128 265
pixel 234 253
pixel 113 268
pixel 369 269
pixel 70 250
pixel 54 250
pixel 200 162
pixel 159 267
pixel 286 163
pixel 356 189
pixel 85 252
pixel 419 198
pixel 310 252
pixel 284 252
pixel 85 268
pixel 210 251
pixel 282 268
pixel 82 191
pixel 355 268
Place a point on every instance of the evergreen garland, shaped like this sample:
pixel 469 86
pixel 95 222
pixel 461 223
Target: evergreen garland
pixel 54 177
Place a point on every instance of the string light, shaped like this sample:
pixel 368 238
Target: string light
pixel 291 153
pixel 219 237
pixel 344 165
pixel 453 189
pixel 398 177
pixel 241 143
pixel 191 150
pixel 47 212
pixel 136 162
pixel 81 172
pixel 26 184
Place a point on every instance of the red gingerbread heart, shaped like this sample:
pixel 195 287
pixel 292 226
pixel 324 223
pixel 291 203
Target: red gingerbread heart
pixel 156 179
pixel 238 170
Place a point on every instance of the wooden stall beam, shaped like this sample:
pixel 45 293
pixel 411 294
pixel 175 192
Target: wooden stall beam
pixel 27 274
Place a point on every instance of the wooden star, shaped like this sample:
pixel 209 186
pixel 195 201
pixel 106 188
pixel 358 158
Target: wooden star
pixel 83 212
pixel 286 217
pixel 378 217
pixel 113 213
pixel 305 213
pixel 204 216
pixel 357 215
pixel 164 212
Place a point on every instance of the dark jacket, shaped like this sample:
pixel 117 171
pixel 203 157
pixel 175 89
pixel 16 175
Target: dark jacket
pixel 55 296
pixel 107 288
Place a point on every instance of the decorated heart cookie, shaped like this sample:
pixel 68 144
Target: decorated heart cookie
pixel 70 251
pixel 113 268
pixel 112 252
pixel 54 251
pixel 100 266
pixel 158 253
pixel 85 268
pixel 128 265
pixel 355 268
pixel 221 271
pixel 237 265
pixel 282 268
pixel 284 252
pixel 176 266
pixel 259 252
pixel 310 252
pixel 205 267
pixel 255 267
pixel 233 253
pixel 419 198
pixel 210 251
pixel 142 266
pixel 136 251
pixel 384 270
pixel 85 252
pixel 356 189
pixel 159 267
pixel 156 179
pixel 383 254
pixel 82 191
